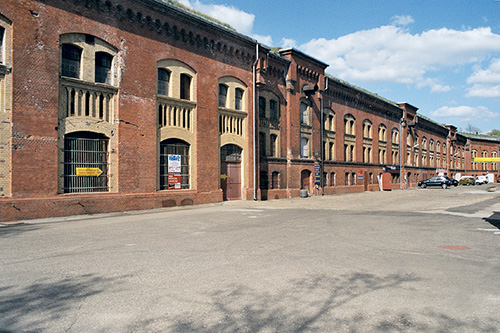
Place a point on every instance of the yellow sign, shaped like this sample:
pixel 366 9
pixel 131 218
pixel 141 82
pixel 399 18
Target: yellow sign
pixel 223 176
pixel 88 172
pixel 486 159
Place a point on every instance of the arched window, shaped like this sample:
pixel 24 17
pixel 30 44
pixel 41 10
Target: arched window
pixel 85 162
pixel 222 95
pixel 382 133
pixel 174 165
pixel 163 81
pixel 367 129
pixel 70 62
pixel 273 140
pixel 304 114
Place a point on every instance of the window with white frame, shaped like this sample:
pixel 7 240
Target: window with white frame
pixel 304 147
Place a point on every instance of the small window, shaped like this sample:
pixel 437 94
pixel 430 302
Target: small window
pixel 163 81
pixel 71 57
pixel 238 100
pixel 304 113
pixel 185 87
pixel 262 107
pixel 2 34
pixel 273 110
pixel 275 180
pixel 103 67
pixel 222 95
pixel 304 148
pixel 273 141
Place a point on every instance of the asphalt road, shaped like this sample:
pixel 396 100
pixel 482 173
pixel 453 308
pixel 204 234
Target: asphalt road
pixel 400 261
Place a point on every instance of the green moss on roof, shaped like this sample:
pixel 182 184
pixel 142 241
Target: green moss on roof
pixel 361 89
pixel 197 13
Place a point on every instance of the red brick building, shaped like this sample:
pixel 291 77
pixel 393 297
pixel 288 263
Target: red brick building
pixel 111 105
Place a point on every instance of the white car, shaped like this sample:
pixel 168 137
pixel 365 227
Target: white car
pixel 481 180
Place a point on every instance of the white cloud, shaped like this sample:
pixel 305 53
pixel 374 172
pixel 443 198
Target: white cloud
pixel 486 83
pixel 402 20
pixel 464 113
pixel 392 54
pixel 266 40
pixel 287 43
pixel 238 19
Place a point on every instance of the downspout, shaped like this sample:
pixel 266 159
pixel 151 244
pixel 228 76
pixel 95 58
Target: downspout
pixel 254 70
pixel 323 139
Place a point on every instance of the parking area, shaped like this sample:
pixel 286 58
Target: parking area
pixel 412 260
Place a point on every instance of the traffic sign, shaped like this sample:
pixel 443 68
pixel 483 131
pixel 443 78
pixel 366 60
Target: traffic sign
pixel 88 172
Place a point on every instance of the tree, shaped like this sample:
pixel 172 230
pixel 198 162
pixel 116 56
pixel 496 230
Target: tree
pixel 494 132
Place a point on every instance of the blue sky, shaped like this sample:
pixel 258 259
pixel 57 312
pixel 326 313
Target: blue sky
pixel 442 56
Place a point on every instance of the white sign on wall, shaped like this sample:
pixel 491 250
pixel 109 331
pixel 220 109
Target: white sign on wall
pixel 174 163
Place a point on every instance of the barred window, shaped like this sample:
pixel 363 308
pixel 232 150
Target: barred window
pixel 85 162
pixel 174 164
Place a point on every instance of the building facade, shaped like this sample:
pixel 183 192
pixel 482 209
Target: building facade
pixel 111 105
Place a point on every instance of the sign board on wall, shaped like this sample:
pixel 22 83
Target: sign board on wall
pixel 174 163
pixel 174 182
pixel 317 173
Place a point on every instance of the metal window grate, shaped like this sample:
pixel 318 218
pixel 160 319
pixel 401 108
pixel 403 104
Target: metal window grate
pixel 85 153
pixel 174 147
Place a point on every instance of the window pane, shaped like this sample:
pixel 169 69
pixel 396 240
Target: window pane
pixel 238 99
pixel 70 65
pixel 222 95
pixel 103 67
pixel 185 87
pixel 163 81
pixel 273 110
pixel 262 107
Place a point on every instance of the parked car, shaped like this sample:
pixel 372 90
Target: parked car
pixel 480 180
pixel 498 179
pixel 435 181
pixel 453 181
pixel 467 180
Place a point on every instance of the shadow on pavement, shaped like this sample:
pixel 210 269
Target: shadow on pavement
pixel 494 219
pixel 317 304
pixel 48 301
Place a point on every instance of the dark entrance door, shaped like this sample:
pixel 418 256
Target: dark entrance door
pixel 230 172
pixel 305 179
pixel 231 186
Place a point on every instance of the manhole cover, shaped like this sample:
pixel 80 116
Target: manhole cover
pixel 454 247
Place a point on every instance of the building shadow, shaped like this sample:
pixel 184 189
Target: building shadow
pixel 493 219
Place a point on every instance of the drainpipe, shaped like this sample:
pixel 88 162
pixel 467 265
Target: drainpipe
pixel 323 139
pixel 254 70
